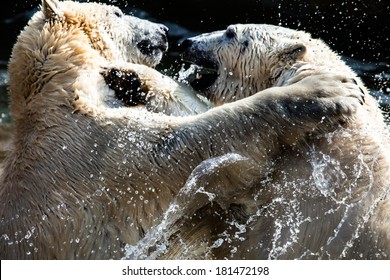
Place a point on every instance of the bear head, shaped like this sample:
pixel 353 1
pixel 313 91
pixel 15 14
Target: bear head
pixel 117 35
pixel 65 42
pixel 246 58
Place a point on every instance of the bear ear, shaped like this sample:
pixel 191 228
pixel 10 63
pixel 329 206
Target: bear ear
pixel 293 51
pixel 51 9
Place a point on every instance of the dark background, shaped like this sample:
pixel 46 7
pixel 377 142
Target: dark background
pixel 358 28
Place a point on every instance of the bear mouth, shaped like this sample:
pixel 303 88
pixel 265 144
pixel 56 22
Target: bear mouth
pixel 151 48
pixel 202 74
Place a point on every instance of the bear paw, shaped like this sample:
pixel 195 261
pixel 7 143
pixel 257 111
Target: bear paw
pixel 127 86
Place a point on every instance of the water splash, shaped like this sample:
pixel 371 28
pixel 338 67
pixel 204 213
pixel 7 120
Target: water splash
pixel 191 197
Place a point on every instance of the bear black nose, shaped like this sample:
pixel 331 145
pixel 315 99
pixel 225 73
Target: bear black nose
pixel 164 29
pixel 185 45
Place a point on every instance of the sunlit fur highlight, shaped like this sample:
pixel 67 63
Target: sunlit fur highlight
pixel 328 196
pixel 84 178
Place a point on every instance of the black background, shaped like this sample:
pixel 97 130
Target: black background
pixel 358 29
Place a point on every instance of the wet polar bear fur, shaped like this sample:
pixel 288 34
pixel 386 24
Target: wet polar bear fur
pixel 327 196
pixel 86 175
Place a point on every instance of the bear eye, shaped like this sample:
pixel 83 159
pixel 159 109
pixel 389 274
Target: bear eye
pixel 230 33
pixel 118 14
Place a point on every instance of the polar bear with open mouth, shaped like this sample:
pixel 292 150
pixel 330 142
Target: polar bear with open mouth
pixel 326 196
pixel 88 173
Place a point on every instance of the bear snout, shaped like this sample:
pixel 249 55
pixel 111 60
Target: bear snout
pixel 186 50
pixel 156 41
pixel 149 46
pixel 164 29
pixel 185 45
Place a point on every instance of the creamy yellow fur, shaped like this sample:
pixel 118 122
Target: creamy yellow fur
pixel 326 197
pixel 86 176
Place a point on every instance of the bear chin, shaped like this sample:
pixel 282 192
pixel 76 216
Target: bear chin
pixel 203 71
pixel 202 78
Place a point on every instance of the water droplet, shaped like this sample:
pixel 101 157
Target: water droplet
pixel 28 235
pixel 98 193
pixel 217 243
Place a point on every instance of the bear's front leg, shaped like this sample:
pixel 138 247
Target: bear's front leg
pixel 136 84
pixel 312 105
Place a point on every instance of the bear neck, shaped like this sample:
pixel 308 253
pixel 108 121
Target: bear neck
pixel 236 87
pixel 48 62
pixel 43 70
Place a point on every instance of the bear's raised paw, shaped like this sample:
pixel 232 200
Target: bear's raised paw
pixel 127 85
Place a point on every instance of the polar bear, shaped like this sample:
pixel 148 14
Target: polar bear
pixel 326 196
pixel 146 45
pixel 88 174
